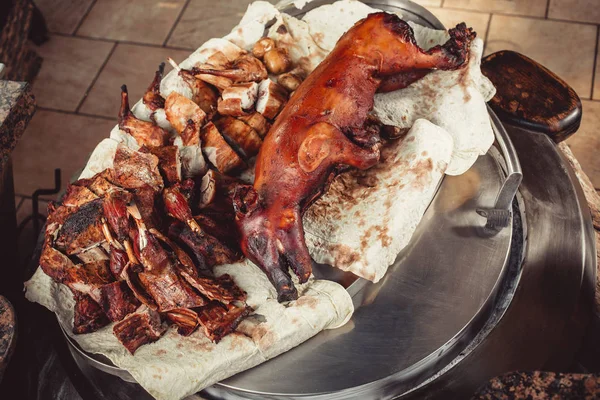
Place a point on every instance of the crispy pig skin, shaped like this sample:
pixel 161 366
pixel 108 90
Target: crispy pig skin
pixel 117 300
pixel 138 329
pixel 82 228
pixel 88 316
pixel 312 137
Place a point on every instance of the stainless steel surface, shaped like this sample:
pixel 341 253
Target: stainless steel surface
pixel 542 327
pixel 499 216
pixel 452 299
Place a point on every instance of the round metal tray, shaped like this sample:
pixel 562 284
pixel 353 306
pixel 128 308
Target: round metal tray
pixel 431 304
pixel 445 294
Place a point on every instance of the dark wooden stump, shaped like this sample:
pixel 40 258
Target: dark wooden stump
pixel 8 333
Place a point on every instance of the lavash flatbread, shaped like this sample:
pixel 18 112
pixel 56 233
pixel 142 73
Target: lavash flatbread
pixel 175 366
pixel 366 217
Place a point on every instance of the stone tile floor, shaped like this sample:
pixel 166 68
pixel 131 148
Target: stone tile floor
pixel 97 45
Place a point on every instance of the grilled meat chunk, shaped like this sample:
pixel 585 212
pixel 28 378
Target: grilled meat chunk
pixel 139 328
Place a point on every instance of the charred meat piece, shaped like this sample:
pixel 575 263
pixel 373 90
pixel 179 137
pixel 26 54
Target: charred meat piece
pixel 202 93
pixel 82 229
pixel 152 98
pixel 76 196
pixel 98 271
pixel 308 141
pixel 202 247
pixel 115 212
pixel 170 291
pixel 219 152
pixel 144 132
pixel 101 183
pixel 222 289
pixel 169 163
pixel 118 262
pixel 271 99
pixel 177 207
pixel 88 316
pixel 240 135
pixel 238 100
pixel 93 254
pixel 186 320
pixel 219 320
pixel 257 122
pixel 245 68
pixel 139 328
pixel 145 200
pixel 117 300
pixel 134 169
pixel 185 262
pixel 221 226
pixel 186 117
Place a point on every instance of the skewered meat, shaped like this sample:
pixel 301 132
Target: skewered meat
pixel 139 328
pixel 145 133
pixel 310 139
pixel 152 98
pixel 88 316
pixel 135 170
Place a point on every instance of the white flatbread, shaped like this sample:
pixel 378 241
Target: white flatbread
pixel 366 217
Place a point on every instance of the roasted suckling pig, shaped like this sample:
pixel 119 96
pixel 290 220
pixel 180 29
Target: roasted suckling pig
pixel 321 128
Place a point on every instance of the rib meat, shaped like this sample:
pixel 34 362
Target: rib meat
pixel 312 136
pixel 139 328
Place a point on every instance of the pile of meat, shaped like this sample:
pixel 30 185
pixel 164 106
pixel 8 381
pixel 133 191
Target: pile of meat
pixel 137 243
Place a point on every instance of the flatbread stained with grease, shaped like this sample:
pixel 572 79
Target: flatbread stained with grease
pixel 366 217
